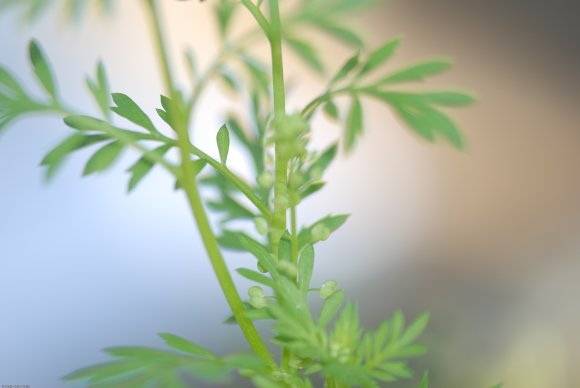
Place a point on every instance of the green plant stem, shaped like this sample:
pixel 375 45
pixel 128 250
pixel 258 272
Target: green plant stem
pixel 281 161
pixel 257 14
pixel 294 235
pixel 190 186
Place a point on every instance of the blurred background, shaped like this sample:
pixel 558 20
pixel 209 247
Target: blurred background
pixel 485 239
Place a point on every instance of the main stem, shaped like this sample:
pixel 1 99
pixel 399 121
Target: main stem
pixel 281 163
pixel 189 184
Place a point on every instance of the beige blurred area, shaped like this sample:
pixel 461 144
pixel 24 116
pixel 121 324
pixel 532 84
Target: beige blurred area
pixel 500 265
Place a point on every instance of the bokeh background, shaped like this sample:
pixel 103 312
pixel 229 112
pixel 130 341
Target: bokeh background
pixel 485 239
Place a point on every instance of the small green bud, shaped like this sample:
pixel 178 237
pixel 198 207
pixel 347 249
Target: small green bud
pixel 258 302
pixel 320 233
pixel 261 225
pixel 281 201
pixel 266 179
pixel 255 291
pixel 328 288
pixel 288 268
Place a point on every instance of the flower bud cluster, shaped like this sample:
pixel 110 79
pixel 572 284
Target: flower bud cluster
pixel 290 136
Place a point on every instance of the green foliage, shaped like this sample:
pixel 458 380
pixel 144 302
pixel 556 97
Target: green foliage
pixel 329 344
pixel 141 366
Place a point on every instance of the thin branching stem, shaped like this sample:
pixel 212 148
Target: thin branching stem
pixel 190 186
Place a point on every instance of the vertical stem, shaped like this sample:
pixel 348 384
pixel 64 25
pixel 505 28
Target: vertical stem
pixel 281 163
pixel 180 121
pixel 277 60
pixel 294 235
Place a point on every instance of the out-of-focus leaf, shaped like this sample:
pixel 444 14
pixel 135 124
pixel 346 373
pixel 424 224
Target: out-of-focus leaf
pixel 103 158
pixel 331 110
pixel 142 167
pixel 339 32
pixel 330 307
pixel 331 223
pixel 380 56
pixel 348 66
pixel 230 79
pixel 256 277
pixel 414 330
pixel 447 98
pixel 128 109
pixel 354 123
pixel 223 143
pixel 416 72
pixel 55 158
pixel 427 121
pixel 306 52
pixel 186 346
pixel 231 208
pixel 100 90
pixel 305 268
pixel 224 12
pixel 316 170
pixel 42 68
pixel 425 380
